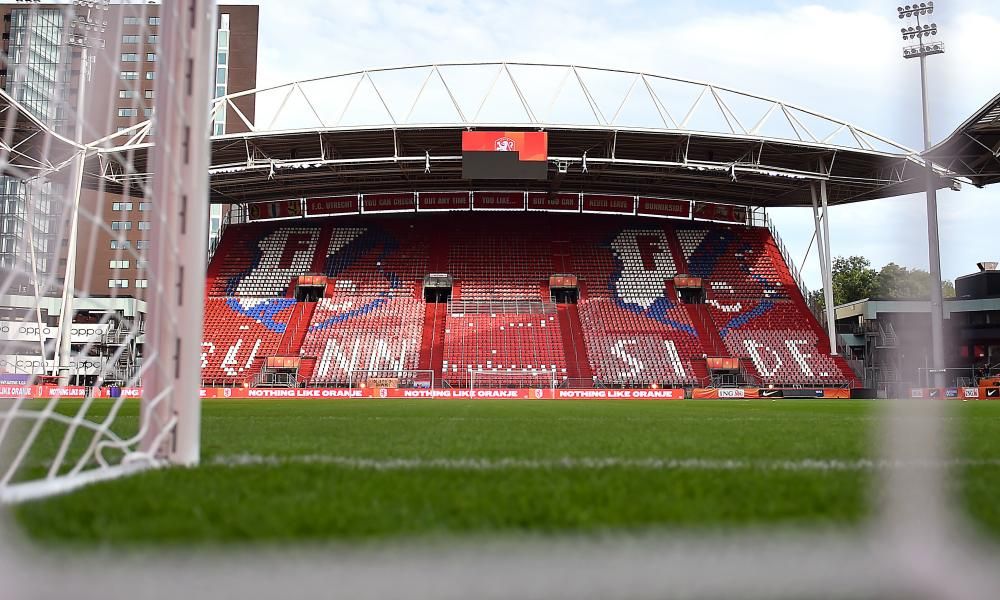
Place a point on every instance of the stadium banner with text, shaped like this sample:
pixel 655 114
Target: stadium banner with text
pixel 965 393
pixel 554 202
pixel 498 201
pixel 661 207
pixel 608 204
pixel 281 209
pixel 457 394
pixel 717 393
pixel 333 205
pixel 709 211
pixel 443 201
pixel 25 331
pixel 388 390
pixel 505 155
pixel 398 202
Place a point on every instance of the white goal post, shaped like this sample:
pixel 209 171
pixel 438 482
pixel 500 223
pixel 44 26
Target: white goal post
pixel 403 378
pixel 497 378
pixel 55 438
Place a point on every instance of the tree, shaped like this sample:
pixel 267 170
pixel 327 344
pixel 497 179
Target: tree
pixel 895 281
pixel 815 301
pixel 853 279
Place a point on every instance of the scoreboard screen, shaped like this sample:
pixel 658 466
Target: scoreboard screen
pixel 505 155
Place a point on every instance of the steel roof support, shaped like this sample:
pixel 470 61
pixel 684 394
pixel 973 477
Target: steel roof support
pixel 822 235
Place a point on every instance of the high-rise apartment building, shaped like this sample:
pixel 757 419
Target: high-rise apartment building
pixel 42 67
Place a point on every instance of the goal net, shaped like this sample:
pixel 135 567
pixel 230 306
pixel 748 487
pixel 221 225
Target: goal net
pixel 103 235
pixel 514 378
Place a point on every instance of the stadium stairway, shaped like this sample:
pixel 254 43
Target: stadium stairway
pixel 437 259
pixel 306 368
pixel 432 339
pixel 575 350
pixel 561 256
pixel 319 259
pixel 699 368
pixel 707 332
pixel 680 262
pixel 223 249
pixel 298 325
pixel 751 370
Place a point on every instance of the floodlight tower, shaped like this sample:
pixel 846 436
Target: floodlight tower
pixel 920 30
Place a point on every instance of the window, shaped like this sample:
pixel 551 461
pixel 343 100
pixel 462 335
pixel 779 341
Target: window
pixel 131 21
pixel 154 20
pixel 130 39
pixel 150 75
pixel 129 57
pixel 150 57
pixel 121 206
pixel 142 264
pixel 126 94
pixel 120 244
pixel 128 75
pixel 121 225
pixel 152 39
pixel 142 244
pixel 117 283
pixel 147 112
pixel 141 283
pixel 128 112
pixel 149 94
pixel 144 206
pixel 143 225
pixel 118 264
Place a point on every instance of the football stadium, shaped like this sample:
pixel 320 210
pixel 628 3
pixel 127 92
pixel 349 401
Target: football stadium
pixel 464 321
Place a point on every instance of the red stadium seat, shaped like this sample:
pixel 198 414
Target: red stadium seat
pixel 502 328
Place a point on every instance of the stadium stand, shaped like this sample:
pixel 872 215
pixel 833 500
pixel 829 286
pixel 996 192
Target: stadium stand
pixel 239 333
pixel 627 324
pixel 513 344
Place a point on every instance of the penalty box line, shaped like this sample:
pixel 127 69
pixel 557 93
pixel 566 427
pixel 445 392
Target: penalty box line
pixel 593 463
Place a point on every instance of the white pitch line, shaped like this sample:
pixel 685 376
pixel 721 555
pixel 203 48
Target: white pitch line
pixel 585 463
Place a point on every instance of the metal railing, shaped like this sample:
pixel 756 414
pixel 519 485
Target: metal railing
pixel 520 307
pixel 787 256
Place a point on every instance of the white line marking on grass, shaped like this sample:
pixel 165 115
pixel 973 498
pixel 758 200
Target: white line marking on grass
pixel 591 463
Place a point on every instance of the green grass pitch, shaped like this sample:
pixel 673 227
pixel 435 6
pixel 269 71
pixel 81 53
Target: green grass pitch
pixel 284 471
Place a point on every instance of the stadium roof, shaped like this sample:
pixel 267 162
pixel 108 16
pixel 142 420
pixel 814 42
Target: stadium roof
pixel 610 130
pixel 28 147
pixel 973 150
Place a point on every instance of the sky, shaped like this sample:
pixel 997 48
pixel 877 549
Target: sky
pixel 842 59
